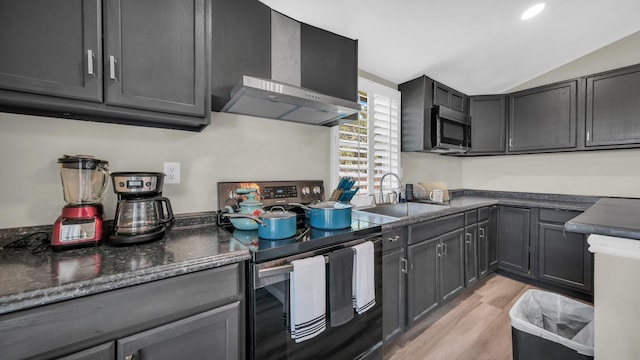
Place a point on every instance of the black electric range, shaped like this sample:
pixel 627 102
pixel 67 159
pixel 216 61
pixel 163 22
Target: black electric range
pixel 280 193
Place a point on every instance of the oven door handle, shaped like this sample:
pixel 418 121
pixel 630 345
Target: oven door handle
pixel 270 275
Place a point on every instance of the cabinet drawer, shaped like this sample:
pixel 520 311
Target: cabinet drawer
pixel 432 228
pixel 483 214
pixel 559 216
pixel 393 239
pixel 471 217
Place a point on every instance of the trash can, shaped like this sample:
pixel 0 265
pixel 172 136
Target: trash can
pixel 549 326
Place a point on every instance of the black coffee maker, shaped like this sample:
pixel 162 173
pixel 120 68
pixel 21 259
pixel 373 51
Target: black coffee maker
pixel 142 213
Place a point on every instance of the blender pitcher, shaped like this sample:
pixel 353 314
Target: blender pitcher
pixel 84 179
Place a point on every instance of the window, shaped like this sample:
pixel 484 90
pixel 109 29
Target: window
pixel 369 147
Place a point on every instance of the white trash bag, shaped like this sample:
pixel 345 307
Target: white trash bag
pixel 555 318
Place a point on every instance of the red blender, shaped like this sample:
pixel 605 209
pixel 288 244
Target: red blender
pixel 84 182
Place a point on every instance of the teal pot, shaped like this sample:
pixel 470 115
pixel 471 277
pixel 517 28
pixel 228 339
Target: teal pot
pixel 251 206
pixel 272 225
pixel 330 215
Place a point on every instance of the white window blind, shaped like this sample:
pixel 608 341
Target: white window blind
pixel 369 147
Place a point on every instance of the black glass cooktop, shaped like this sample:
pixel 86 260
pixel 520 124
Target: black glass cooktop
pixel 306 239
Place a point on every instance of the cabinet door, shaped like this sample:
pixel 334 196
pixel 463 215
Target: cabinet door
pixel 483 248
pixel 423 295
pixel 212 334
pixel 452 265
pixel 241 45
pixel 328 62
pixel 445 96
pixel 471 254
pixel 543 118
pixel 613 109
pixel 488 124
pixel 52 47
pixel 564 257
pixel 101 352
pixel 492 237
pixel 155 55
pixel 514 239
pixel 393 293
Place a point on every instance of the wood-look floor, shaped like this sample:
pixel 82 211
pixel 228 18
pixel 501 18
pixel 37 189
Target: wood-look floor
pixel 476 325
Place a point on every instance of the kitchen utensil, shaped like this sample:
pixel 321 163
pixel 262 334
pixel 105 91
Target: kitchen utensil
pixel 142 213
pixel 436 185
pixel 250 206
pixel 84 182
pixel 328 215
pixel 436 195
pixel 277 224
pixel 347 195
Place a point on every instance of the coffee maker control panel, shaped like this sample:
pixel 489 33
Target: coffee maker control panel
pixel 137 183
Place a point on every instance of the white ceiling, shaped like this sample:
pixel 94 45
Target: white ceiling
pixel 474 46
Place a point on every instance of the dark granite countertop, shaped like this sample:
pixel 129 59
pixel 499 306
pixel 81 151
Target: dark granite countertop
pixel 611 217
pixel 28 280
pixel 473 199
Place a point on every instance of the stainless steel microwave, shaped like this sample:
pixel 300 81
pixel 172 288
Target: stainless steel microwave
pixel 450 131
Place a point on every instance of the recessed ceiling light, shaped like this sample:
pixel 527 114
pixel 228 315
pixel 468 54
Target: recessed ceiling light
pixel 532 11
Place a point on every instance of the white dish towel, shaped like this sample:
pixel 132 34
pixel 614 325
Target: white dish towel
pixel 364 290
pixel 308 294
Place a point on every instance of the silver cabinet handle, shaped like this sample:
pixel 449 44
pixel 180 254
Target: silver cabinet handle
pixel 444 249
pixel 588 133
pixel 91 57
pixel 510 142
pixel 112 68
pixel 130 357
pixel 404 265
pixel 481 230
pixel 468 236
pixel 439 249
pixel 394 239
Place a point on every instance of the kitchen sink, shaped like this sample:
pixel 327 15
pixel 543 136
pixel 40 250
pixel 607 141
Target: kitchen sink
pixel 402 210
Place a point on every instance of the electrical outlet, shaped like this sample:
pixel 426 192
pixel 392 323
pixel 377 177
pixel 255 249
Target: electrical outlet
pixel 172 172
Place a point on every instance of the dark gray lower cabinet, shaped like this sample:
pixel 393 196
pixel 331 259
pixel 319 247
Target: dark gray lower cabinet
pixel 514 239
pixel 101 352
pixel 488 240
pixel 563 257
pixel 423 295
pixel 393 298
pixel 211 334
pixel 471 254
pixel 452 264
pixel 200 313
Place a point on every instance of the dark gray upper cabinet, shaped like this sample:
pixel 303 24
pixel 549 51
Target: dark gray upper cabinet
pixel 488 124
pixel 514 239
pixel 141 63
pixel 155 55
pixel 241 45
pixel 328 63
pixel 543 118
pixel 52 48
pixel 613 108
pixel 446 96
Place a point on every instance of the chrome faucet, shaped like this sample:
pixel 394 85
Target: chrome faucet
pixel 395 199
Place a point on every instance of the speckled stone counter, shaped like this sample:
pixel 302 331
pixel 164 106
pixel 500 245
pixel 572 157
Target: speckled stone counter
pixel 465 200
pixel 28 280
pixel 610 217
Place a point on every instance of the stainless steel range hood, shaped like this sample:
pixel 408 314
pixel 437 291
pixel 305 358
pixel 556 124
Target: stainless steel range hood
pixel 278 100
pixel 282 96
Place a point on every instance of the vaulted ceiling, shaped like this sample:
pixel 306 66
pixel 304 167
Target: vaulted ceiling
pixel 479 46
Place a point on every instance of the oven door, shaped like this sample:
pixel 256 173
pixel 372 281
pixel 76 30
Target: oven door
pixel 360 338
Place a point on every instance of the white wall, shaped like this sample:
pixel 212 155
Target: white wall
pixel 232 148
pixel 426 167
pixel 599 173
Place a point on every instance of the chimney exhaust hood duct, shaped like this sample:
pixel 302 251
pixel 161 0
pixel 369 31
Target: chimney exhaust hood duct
pixel 282 97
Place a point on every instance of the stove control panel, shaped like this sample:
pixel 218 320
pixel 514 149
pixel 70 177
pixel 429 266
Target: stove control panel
pixel 272 192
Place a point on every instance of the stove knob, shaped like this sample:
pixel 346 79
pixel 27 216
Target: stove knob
pixel 316 189
pixel 305 190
